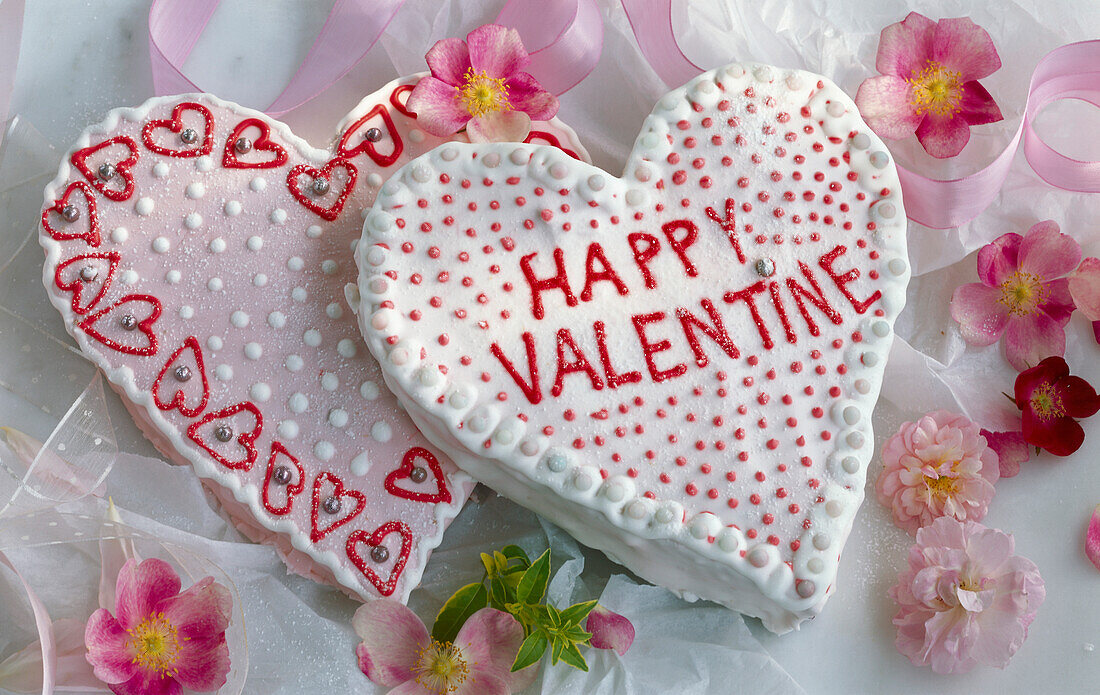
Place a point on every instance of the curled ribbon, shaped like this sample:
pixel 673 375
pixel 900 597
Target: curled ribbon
pixel 568 34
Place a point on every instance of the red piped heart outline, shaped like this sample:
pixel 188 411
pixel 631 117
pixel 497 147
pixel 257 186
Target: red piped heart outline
pixel 175 125
pixel 245 439
pixel 395 99
pixel 90 237
pixel 292 489
pixel 404 471
pixel 315 532
pixel 263 143
pixel 178 398
pixel 145 325
pixel 77 285
pixel 79 159
pixel 386 588
pixel 333 211
pixel 382 160
pixel 552 140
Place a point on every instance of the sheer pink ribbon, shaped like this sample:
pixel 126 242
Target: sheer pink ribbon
pixel 11 31
pixel 567 36
pixel 1068 72
pixel 45 628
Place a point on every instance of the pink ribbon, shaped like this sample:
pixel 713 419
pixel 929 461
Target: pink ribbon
pixel 568 35
pixel 11 31
pixel 651 21
pixel 45 628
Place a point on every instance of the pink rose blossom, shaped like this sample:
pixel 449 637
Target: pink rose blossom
pixel 609 630
pixel 1022 295
pixel 965 599
pixel 160 640
pixel 937 466
pixel 929 83
pixel 398 651
pixel 479 84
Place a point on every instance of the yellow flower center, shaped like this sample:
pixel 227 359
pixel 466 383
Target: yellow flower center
pixel 942 486
pixel 1023 293
pixel 481 94
pixel 440 668
pixel 935 89
pixel 155 645
pixel 1046 403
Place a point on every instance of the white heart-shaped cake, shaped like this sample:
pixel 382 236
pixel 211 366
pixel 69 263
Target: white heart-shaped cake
pixel 677 366
pixel 199 252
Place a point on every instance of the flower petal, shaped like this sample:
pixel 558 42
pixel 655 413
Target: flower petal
pixel 491 639
pixel 110 657
pixel 884 102
pixel 201 611
pixel 981 318
pixel 141 587
pixel 904 47
pixel 977 105
pixel 963 46
pixel 943 136
pixel 499 126
pixel 999 259
pixel 1048 371
pixel 392 636
pixel 449 60
pixel 1011 450
pixel 1061 436
pixel 482 681
pixel 609 630
pixel 1048 253
pixel 148 683
pixel 527 95
pixel 1078 397
pixel 1084 288
pixel 203 663
pixel 1059 303
pixel 497 50
pixel 437 107
pixel 1092 538
pixel 1031 339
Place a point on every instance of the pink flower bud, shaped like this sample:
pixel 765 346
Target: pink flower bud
pixel 609 630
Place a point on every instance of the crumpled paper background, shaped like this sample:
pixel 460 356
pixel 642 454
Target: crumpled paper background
pixel 78 63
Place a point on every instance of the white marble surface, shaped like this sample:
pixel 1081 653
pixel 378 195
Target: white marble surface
pixel 83 57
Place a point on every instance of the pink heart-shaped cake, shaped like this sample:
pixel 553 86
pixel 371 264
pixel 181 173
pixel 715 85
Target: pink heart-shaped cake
pixel 677 366
pixel 199 254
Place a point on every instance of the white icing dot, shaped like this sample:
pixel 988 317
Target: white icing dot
pixel 144 206
pixel 214 284
pixel 161 244
pixel 278 216
pixel 260 392
pixel 195 190
pixel 253 351
pixel 276 319
pixel 313 231
pixel 232 208
pixel 186 311
pixel 259 279
pixel 329 381
pixel 299 294
pixel 338 417
pixel 324 450
pixel 312 337
pixel 217 244
pixel 329 266
pixel 214 343
pixel 368 390
pixel 129 277
pixel 193 220
pixel 258 183
pixel 346 348
pixel 288 429
pixel 417 135
pixel 298 403
pixel 223 372
pixel 374 180
pixel 160 170
pixel 254 243
pixel 239 319
pixel 334 310
pixel 360 464
pixel 294 363
pixel 381 432
pixel 173 277
pixel 119 235
pixel 204 163
pixel 295 263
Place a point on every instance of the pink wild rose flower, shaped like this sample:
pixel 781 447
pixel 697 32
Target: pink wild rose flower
pixel 397 650
pixel 1051 402
pixel 1022 295
pixel 479 84
pixel 937 466
pixel 160 640
pixel 929 83
pixel 965 599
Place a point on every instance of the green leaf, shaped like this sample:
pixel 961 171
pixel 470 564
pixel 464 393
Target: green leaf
pixel 572 656
pixel 574 614
pixel 489 564
pixel 498 593
pixel 532 586
pixel 514 552
pixel 554 615
pixel 576 634
pixel 557 646
pixel 500 560
pixel 531 650
pixel 460 606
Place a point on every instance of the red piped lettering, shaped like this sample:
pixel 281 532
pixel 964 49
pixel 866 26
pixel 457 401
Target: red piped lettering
pixel 680 246
pixel 817 298
pixel 777 301
pixel 642 256
pixel 747 295
pixel 614 379
pixel 716 331
pixel 558 281
pixel 650 349
pixel 729 225
pixel 531 389
pixel 842 280
pixel 592 276
pixel 580 364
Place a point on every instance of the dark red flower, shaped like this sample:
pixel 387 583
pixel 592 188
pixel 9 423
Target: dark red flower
pixel 1051 400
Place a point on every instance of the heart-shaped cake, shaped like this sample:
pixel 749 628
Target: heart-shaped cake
pixel 677 366
pixel 199 252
